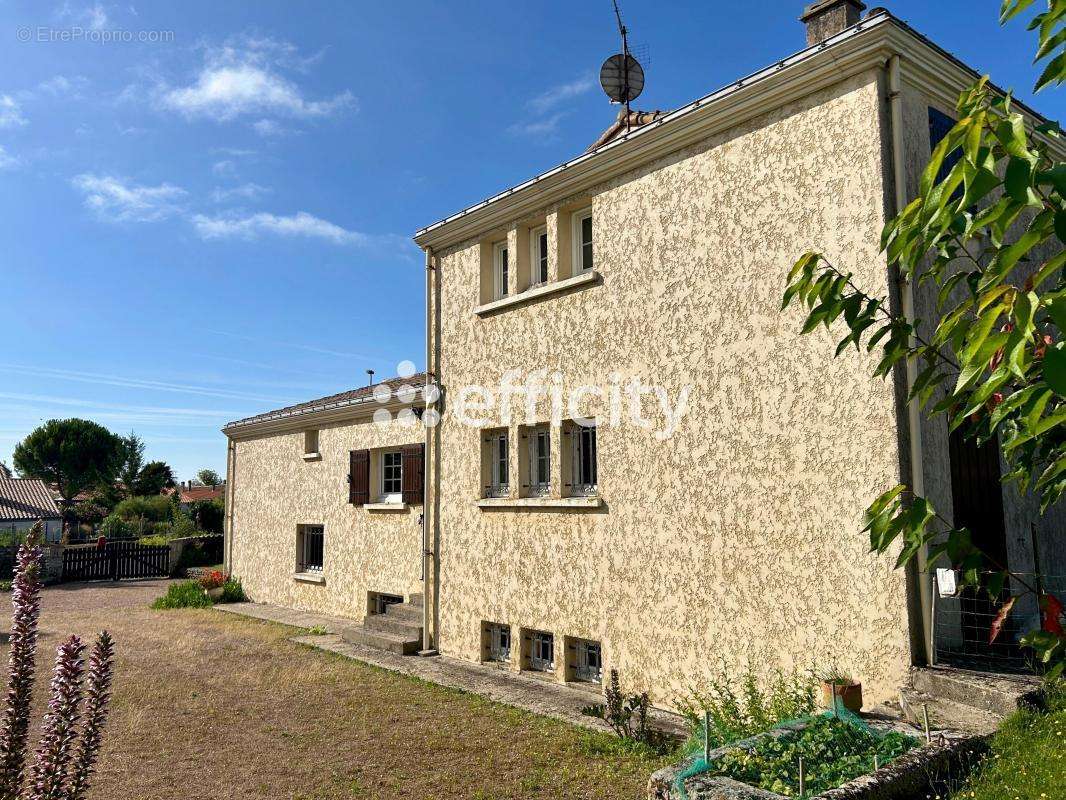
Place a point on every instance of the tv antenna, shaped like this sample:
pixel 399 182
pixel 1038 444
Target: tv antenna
pixel 621 75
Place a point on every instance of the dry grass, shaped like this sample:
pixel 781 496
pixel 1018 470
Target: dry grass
pixel 212 706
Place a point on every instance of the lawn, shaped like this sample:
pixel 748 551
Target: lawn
pixel 212 706
pixel 1028 758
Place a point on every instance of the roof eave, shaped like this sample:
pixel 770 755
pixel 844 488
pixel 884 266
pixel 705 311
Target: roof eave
pixel 347 411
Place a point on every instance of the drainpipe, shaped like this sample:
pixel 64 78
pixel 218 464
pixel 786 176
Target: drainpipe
pixel 429 542
pixel 231 475
pixel 914 419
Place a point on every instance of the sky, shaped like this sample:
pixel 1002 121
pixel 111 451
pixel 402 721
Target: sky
pixel 206 208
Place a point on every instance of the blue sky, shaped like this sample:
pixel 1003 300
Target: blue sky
pixel 216 220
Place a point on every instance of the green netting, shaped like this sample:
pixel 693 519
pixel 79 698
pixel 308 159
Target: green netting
pixel 694 748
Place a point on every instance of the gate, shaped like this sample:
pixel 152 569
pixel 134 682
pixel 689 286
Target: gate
pixel 116 561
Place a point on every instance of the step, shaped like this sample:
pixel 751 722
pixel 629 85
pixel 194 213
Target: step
pixel 386 623
pixel 390 642
pixel 416 599
pixel 999 694
pixel 404 611
pixel 947 714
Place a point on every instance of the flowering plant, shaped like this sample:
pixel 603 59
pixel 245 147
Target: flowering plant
pixel 212 580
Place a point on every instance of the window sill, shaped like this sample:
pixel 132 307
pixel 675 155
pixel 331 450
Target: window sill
pixel 312 456
pixel 309 577
pixel 386 506
pixel 538 292
pixel 540 502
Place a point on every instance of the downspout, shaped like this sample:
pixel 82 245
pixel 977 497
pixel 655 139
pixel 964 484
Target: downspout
pixel 429 550
pixel 914 419
pixel 231 489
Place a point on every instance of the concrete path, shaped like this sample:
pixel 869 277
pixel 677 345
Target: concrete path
pixel 514 689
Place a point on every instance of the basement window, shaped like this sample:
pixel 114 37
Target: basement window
pixel 541 651
pixel 500 269
pixel 378 603
pixel 586 660
pixel 581 229
pixel 498 642
pixel 310 548
pixel 538 245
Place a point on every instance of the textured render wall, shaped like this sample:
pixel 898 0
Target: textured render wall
pixel 738 539
pixel 365 551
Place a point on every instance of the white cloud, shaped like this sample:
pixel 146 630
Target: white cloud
pixel 93 17
pixel 61 85
pixel 299 224
pixel 268 128
pixel 246 191
pixel 8 161
pixel 224 167
pixel 242 78
pixel 117 200
pixel 545 126
pixel 560 94
pixel 11 112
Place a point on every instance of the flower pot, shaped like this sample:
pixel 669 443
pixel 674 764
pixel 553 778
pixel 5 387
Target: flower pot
pixel 215 594
pixel 844 693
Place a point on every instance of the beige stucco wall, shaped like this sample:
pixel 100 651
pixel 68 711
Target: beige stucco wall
pixel 738 538
pixel 365 551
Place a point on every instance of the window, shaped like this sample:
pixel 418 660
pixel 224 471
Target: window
pixel 499 466
pixel 501 268
pixel 538 245
pixel 499 641
pixel 392 477
pixel 379 603
pixel 542 651
pixel 540 461
pixel 309 548
pixel 581 227
pixel 584 474
pixel 311 443
pixel 588 661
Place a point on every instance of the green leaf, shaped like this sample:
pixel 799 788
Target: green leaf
pixel 1054 73
pixel 1016 180
pixel 1012 8
pixel 1055 370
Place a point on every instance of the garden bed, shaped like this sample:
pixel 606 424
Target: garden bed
pixel 908 765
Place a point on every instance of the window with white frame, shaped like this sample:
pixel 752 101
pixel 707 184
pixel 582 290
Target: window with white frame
pixel 499 641
pixel 499 464
pixel 392 477
pixel 542 651
pixel 588 661
pixel 310 548
pixel 584 479
pixel 500 269
pixel 540 477
pixel 581 227
pixel 538 256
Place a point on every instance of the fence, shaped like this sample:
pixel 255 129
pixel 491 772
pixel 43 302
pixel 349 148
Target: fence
pixel 115 561
pixel 962 625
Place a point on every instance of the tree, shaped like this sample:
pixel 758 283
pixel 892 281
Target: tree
pixel 208 477
pixel 987 230
pixel 72 454
pixel 5 471
pixel 153 479
pixel 132 462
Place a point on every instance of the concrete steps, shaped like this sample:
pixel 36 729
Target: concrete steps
pixel 398 630
pixel 964 700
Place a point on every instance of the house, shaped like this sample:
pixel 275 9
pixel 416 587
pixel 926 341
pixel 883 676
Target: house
pixel 24 501
pixel 191 493
pixel 324 510
pixel 632 458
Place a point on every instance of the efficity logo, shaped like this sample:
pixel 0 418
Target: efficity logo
pixel 534 398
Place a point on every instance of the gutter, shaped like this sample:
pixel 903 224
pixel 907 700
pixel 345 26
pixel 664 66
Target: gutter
pixel 914 419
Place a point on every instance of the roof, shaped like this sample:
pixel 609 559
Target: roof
pixel 26 498
pixel 197 493
pixel 351 397
pixel 626 150
pixel 619 126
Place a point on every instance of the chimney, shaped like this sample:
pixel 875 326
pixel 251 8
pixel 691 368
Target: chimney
pixel 827 18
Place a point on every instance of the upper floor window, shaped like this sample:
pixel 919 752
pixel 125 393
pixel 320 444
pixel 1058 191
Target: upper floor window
pixel 499 465
pixel 500 269
pixel 538 244
pixel 585 477
pixel 581 226
pixel 392 476
pixel 540 461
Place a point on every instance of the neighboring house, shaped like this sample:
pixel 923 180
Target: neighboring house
pixel 190 493
pixel 24 501
pixel 325 505
pixel 724 529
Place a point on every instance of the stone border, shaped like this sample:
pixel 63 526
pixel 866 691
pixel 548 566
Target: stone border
pixel 948 754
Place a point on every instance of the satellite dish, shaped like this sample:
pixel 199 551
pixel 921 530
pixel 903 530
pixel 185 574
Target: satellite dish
pixel 622 78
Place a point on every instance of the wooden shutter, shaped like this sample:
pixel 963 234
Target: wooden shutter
pixel 359 477
pixel 413 473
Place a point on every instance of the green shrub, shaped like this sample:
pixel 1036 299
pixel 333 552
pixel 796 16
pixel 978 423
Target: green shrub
pixel 115 528
pixel 5 586
pixel 187 594
pixel 742 709
pixel 155 540
pixel 149 509
pixel 182 527
pixel 232 591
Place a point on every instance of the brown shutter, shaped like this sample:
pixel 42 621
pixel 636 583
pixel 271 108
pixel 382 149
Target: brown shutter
pixel 413 473
pixel 359 477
